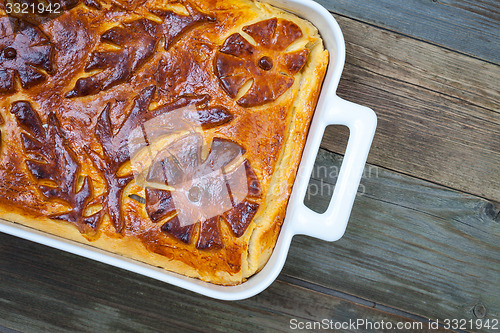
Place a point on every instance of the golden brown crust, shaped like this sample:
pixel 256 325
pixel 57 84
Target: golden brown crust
pixel 83 82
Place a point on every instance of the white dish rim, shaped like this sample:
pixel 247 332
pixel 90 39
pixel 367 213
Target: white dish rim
pixel 299 219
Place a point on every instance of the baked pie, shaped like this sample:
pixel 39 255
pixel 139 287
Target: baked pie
pixel 168 132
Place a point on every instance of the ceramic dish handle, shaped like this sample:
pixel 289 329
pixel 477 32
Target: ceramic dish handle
pixel 331 225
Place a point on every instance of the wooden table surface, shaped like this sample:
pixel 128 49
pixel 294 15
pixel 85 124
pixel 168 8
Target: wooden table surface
pixel 423 241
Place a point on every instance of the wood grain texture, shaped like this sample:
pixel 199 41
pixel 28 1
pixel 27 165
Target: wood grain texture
pixel 410 245
pixel 46 290
pixel 469 27
pixel 439 112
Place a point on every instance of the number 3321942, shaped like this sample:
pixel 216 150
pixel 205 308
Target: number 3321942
pixel 464 324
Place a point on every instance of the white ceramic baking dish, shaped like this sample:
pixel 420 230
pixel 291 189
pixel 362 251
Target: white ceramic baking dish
pixel 330 226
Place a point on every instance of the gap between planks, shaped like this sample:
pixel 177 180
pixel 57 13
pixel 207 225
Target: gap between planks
pixel 354 299
pixel 60 297
pixel 409 245
pixel 438 111
pixel 409 36
pixel 342 154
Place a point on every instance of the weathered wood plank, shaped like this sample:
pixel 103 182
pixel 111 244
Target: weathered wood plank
pixel 422 64
pixel 469 27
pixel 4 329
pixel 44 289
pixel 433 123
pixel 410 244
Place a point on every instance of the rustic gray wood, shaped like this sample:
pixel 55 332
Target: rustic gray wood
pixel 43 289
pixel 424 65
pixel 413 249
pixel 469 27
pixel 410 245
pixel 439 112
